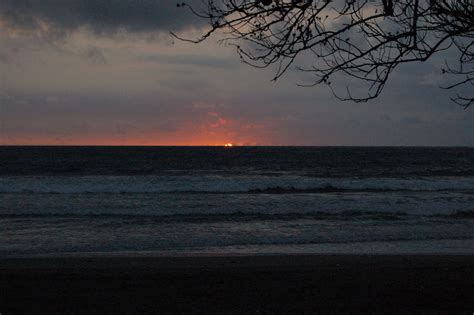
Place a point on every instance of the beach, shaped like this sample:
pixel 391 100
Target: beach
pixel 247 230
pixel 237 284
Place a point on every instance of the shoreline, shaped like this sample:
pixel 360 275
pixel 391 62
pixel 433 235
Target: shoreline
pixel 238 284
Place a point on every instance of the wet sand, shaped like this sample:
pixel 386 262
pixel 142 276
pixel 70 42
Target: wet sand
pixel 242 284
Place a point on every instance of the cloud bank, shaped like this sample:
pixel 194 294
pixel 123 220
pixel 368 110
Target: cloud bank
pixel 84 72
pixel 102 17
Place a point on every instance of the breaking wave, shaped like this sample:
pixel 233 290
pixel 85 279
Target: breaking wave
pixel 207 184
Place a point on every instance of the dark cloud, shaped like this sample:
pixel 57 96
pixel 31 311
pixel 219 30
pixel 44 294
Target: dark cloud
pixel 95 56
pixel 103 17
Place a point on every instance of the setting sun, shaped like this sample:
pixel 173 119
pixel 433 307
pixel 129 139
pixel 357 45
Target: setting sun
pixel 228 145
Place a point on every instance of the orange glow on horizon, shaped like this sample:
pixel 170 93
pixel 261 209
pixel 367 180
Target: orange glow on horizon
pixel 152 140
pixel 203 134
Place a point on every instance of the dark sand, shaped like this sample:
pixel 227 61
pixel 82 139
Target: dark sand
pixel 246 284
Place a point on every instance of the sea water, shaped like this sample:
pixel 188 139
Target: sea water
pixel 237 200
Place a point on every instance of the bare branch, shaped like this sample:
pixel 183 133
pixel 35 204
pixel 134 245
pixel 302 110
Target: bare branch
pixel 362 39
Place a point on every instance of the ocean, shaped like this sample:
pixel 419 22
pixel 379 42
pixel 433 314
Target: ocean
pixel 236 200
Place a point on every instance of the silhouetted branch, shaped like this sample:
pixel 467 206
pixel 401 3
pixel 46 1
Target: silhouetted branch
pixel 362 39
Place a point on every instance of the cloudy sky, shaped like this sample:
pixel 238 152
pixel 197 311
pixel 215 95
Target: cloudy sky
pixel 108 72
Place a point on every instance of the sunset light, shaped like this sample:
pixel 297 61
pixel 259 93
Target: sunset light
pixel 236 156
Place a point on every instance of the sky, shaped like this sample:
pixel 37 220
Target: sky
pixel 107 72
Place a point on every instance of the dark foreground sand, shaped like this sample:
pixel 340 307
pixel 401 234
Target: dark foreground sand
pixel 245 284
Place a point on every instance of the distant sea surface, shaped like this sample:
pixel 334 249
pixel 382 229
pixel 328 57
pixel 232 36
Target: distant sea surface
pixel 238 200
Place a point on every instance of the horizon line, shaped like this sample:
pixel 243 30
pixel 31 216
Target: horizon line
pixel 235 146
